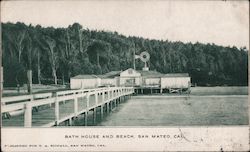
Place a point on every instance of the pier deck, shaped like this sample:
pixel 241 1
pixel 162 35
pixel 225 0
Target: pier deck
pixel 49 109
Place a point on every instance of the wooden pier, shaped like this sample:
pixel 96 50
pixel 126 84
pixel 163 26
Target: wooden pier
pixel 53 109
pixel 159 90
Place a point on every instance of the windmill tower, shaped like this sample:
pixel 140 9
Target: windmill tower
pixel 144 57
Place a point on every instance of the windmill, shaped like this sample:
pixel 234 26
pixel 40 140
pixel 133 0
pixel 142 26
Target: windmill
pixel 144 57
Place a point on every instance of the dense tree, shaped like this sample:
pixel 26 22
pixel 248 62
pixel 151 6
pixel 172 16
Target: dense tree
pixel 56 54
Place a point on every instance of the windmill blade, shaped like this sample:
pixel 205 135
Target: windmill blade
pixel 144 56
pixel 137 56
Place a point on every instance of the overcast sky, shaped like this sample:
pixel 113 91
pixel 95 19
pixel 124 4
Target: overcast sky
pixel 222 23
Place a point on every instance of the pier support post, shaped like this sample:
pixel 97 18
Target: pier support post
pixel 101 111
pixel 28 115
pixel 94 110
pixel 115 102
pixel 56 111
pixel 96 99
pixel 86 118
pixel 107 105
pixel 103 97
pixel 108 92
pixel 86 113
pixel 63 100
pixel 70 121
pixel 75 106
pixel 111 105
pixel 94 116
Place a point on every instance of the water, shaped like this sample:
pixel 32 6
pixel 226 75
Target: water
pixel 176 111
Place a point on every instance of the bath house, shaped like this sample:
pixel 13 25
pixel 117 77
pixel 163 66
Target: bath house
pixel 144 81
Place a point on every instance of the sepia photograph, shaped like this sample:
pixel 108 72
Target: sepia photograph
pixel 159 65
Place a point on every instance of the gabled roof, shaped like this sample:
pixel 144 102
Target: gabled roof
pixel 176 75
pixel 148 74
pixel 110 74
pixel 130 73
pixel 85 76
pixel 154 74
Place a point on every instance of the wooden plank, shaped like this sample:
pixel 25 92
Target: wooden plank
pixel 62 112
pixel 42 95
pixel 68 92
pixel 64 98
pixel 16 98
pixel 12 107
pixel 41 102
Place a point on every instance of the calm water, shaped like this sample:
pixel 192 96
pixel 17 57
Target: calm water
pixel 174 111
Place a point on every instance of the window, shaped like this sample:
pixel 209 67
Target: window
pixel 130 71
pixel 130 82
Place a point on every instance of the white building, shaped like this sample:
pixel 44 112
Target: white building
pixel 130 77
pixel 85 81
pixel 135 78
pixel 176 80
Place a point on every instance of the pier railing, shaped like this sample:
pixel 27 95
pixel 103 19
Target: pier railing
pixel 79 101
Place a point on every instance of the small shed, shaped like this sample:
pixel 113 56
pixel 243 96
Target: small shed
pixel 175 80
pixel 85 81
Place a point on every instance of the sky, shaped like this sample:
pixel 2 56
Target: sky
pixel 221 22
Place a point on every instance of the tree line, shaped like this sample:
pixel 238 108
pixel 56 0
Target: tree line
pixel 56 54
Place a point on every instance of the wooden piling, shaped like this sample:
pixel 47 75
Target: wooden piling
pixel 75 106
pixel 70 121
pixel 94 116
pixel 86 113
pixel 56 111
pixel 108 92
pixel 107 105
pixel 111 105
pixel 103 97
pixel 86 118
pixel 28 115
pixel 101 111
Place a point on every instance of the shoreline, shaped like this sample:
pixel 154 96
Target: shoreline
pixel 183 96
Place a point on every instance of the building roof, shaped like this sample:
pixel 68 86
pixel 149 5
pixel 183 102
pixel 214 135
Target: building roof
pixel 85 76
pixel 110 74
pixel 148 74
pixel 154 74
pixel 176 75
